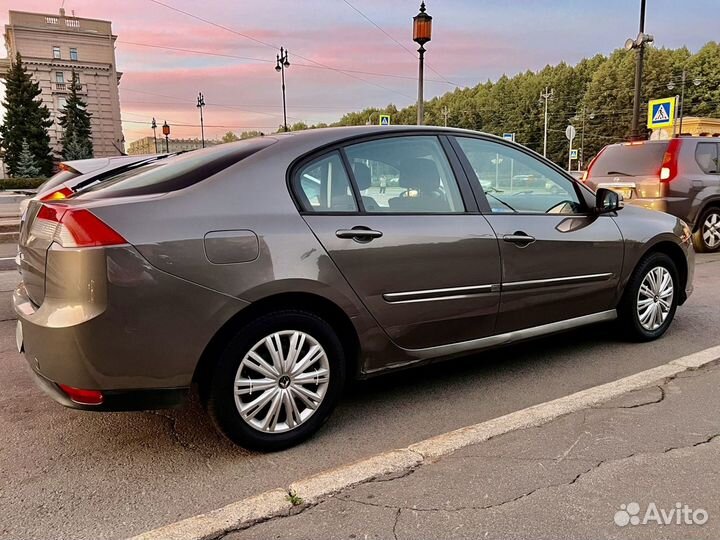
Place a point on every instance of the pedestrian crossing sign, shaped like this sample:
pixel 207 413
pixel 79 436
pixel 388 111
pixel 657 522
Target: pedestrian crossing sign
pixel 573 153
pixel 661 113
pixel 384 119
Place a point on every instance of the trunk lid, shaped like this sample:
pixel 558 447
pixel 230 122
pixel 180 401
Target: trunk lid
pixel 630 169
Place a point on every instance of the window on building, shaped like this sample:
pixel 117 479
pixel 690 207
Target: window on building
pixel 73 54
pixel 56 52
pixel 61 103
pixel 59 77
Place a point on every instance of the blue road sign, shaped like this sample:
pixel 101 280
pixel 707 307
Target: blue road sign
pixel 384 119
pixel 661 113
pixel 509 136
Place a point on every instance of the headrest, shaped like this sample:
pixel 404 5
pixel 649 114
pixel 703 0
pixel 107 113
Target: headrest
pixel 362 175
pixel 420 174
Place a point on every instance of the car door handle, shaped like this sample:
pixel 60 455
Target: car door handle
pixel 519 238
pixel 358 233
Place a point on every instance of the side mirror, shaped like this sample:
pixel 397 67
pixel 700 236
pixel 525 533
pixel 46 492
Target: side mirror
pixel 607 200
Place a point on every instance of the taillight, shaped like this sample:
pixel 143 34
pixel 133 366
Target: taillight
pixel 58 195
pixel 669 168
pixel 586 174
pixel 73 227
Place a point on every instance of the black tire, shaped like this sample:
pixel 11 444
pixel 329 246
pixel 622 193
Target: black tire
pixel 699 242
pixel 221 399
pixel 628 317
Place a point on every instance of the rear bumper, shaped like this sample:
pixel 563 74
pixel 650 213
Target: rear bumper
pixel 122 400
pixel 121 327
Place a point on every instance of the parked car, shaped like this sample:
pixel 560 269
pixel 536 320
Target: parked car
pixel 680 176
pixel 262 272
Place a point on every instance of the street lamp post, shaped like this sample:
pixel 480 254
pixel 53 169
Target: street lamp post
pixel 201 105
pixel 639 44
pixel 281 65
pixel 154 127
pixel 166 132
pixel 546 95
pixel 422 32
pixel 671 85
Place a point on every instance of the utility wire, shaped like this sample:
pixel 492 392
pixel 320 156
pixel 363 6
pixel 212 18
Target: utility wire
pixel 261 42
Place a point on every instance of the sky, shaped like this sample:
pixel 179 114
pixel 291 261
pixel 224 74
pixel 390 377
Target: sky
pixel 345 54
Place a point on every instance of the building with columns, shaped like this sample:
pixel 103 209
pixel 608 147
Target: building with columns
pixel 52 46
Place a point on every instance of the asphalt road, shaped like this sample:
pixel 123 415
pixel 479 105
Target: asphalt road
pixel 75 474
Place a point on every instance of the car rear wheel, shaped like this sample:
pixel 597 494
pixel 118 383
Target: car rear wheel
pixel 277 381
pixel 706 238
pixel 650 299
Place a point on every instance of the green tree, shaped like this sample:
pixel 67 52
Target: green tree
pixel 75 121
pixel 230 137
pixel 26 119
pixel 26 166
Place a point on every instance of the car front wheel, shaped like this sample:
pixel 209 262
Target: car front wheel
pixel 277 381
pixel 707 237
pixel 650 298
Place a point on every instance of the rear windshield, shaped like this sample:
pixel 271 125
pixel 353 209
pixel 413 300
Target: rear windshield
pixel 176 172
pixel 630 160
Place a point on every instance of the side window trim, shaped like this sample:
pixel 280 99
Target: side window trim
pixel 480 194
pixel 472 179
pixel 353 182
pixel 464 184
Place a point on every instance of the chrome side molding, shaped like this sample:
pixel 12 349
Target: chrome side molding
pixel 509 337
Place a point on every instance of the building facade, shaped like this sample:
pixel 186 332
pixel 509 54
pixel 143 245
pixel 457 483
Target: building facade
pixel 146 145
pixel 52 47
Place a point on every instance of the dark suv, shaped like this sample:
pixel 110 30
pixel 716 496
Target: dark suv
pixel 679 176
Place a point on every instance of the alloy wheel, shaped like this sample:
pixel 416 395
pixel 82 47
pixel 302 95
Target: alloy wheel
pixel 281 381
pixel 655 298
pixel 711 230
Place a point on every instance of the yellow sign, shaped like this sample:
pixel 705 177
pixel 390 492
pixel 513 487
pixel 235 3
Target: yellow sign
pixel 661 113
pixel 384 119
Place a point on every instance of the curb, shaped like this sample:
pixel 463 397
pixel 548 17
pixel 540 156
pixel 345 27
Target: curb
pixel 247 512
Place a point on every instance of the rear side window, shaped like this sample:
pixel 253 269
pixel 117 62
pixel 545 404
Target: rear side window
pixel 630 160
pixel 706 155
pixel 177 172
pixel 324 186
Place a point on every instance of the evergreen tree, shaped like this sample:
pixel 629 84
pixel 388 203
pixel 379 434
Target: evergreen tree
pixel 26 166
pixel 26 119
pixel 75 121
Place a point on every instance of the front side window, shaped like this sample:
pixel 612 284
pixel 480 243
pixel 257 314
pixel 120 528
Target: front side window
pixel 324 186
pixel 73 54
pixel 405 175
pixel 60 77
pixel 56 52
pixel 706 155
pixel 515 182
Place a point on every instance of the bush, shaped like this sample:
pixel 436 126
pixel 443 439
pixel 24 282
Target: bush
pixel 21 183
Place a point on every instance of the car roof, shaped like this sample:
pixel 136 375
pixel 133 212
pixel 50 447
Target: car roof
pixel 325 136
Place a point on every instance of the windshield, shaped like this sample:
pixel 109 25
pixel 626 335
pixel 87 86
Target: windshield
pixel 630 160
pixel 175 172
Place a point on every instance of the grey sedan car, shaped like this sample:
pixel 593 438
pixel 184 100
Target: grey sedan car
pixel 269 271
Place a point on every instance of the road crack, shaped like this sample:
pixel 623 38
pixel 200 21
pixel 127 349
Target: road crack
pixel 596 465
